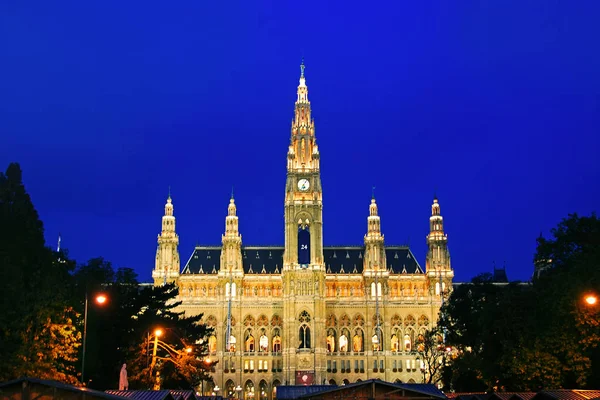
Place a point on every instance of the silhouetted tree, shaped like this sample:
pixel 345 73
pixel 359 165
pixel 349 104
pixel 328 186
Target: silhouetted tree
pixel 37 333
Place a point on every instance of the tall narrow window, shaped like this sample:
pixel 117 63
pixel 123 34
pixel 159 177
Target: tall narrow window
pixel 343 343
pixel 304 337
pixel 264 343
pixel 276 343
pixel 304 245
pixel 212 344
pixel 304 330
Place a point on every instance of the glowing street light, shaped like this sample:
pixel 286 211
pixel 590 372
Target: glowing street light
pixel 99 299
pixel 591 299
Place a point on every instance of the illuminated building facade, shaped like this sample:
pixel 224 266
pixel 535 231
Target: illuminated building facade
pixel 305 313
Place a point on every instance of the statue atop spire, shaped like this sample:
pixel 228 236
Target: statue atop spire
pixel 302 66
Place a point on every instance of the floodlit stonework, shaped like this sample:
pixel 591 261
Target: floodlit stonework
pixel 307 313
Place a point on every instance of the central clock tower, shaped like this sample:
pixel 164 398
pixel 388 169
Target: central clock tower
pixel 303 272
pixel 303 192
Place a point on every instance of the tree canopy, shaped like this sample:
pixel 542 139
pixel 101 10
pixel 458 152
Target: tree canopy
pixel 531 336
pixel 38 335
pixel 42 305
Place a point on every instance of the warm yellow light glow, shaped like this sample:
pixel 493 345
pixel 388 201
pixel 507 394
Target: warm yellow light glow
pixel 101 299
pixel 591 299
pixel 188 350
pixel 158 332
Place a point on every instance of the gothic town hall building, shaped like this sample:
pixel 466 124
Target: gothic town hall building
pixel 305 313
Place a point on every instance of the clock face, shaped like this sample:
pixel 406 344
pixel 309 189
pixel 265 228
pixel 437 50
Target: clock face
pixel 303 185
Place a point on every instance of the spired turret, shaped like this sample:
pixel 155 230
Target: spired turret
pixel 231 252
pixel 166 268
pixel 439 270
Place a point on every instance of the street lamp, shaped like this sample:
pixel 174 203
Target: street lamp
pixel 591 299
pixel 157 333
pixel 238 389
pixel 174 355
pixel 99 299
pixel 207 362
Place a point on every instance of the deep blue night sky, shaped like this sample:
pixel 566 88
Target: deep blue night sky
pixel 495 105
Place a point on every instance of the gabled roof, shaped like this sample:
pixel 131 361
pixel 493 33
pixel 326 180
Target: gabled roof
pixel 145 394
pixel 57 386
pixel 416 388
pixel 184 394
pixel 269 260
pixel 511 395
pixel 567 394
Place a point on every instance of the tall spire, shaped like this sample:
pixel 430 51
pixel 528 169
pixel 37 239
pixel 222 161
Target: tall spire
pixel 374 240
pixel 167 254
pixel 303 153
pixel 231 253
pixel 438 265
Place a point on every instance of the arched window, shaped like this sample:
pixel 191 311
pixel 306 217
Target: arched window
pixel 229 388
pixel 264 343
pixel 437 288
pixel 358 341
pixel 303 245
pixel 277 344
pixel 407 343
pixel 373 290
pixel 249 342
pixel 232 343
pixel 377 340
pixel 212 344
pixel 263 391
pixel 249 390
pixel 304 330
pixel 304 337
pixel 274 391
pixel 331 340
pixel 276 340
pixel 343 343
pixel 394 345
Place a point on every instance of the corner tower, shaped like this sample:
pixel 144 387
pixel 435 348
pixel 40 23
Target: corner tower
pixel 166 268
pixel 231 252
pixel 439 270
pixel 375 275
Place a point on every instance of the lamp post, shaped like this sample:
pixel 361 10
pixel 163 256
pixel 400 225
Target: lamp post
pixel 100 299
pixel 216 390
pixel 238 389
pixel 157 333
